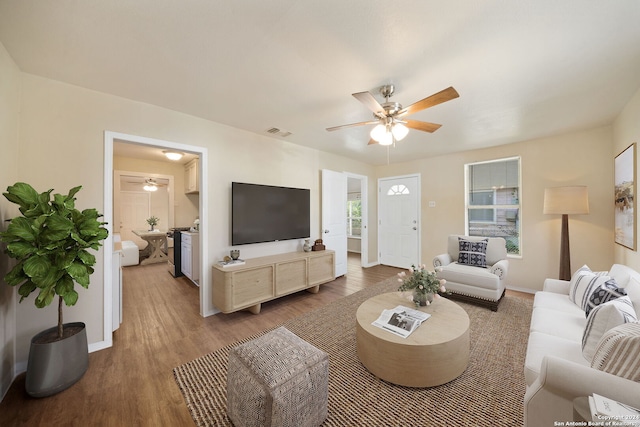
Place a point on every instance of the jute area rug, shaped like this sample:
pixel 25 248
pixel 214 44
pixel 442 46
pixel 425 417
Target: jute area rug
pixel 489 392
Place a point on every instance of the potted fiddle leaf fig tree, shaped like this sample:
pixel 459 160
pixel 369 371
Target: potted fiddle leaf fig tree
pixel 51 242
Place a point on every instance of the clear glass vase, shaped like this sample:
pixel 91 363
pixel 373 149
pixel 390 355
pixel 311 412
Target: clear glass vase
pixel 422 298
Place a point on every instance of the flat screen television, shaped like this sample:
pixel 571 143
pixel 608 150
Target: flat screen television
pixel 264 213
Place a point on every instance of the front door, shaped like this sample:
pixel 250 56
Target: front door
pixel 399 221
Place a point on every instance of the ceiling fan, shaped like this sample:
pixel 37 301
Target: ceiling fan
pixel 150 184
pixel 391 126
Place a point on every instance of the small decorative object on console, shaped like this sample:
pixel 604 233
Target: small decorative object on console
pixel 229 261
pixel 307 245
pixel 235 254
pixel 318 246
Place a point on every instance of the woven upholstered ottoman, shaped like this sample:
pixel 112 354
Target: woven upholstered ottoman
pixel 277 379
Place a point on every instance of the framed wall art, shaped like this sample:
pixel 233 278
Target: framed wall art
pixel 624 197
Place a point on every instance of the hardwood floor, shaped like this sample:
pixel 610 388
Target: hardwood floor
pixel 132 382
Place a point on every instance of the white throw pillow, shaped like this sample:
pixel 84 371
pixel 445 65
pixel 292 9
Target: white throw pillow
pixel 603 318
pixel 574 279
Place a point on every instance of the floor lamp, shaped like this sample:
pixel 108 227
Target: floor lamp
pixel 565 201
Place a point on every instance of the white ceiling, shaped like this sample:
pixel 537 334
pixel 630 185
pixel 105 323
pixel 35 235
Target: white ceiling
pixel 524 69
pixel 137 151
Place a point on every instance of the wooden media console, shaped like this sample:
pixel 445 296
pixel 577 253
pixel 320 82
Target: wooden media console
pixel 263 279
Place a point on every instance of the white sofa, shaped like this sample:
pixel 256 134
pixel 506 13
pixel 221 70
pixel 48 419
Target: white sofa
pixel 485 286
pixel 556 372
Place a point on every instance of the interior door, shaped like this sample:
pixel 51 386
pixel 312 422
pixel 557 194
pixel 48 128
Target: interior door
pixel 399 220
pixel 334 217
pixel 134 211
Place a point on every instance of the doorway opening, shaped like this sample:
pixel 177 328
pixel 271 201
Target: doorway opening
pixel 111 138
pixel 357 217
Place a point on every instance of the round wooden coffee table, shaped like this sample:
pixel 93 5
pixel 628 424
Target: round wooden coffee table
pixel 435 353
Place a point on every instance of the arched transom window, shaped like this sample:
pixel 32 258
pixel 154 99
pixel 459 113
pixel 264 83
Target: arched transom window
pixel 398 190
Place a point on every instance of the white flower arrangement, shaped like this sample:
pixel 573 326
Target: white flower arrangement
pixel 422 282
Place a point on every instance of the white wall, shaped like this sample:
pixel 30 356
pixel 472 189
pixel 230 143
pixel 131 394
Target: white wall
pixel 626 130
pixel 9 116
pixel 572 159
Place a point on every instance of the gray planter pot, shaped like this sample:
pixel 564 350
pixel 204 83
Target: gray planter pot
pixel 56 366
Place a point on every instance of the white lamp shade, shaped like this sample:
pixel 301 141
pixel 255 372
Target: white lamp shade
pixel 387 139
pixel 399 131
pixel 571 200
pixel 378 132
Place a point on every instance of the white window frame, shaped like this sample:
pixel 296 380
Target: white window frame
pixel 496 207
pixel 350 219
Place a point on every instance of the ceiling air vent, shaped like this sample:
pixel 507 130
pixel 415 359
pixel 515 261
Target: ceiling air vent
pixel 278 132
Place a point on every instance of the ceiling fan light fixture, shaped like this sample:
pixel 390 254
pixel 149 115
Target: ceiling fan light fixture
pixel 388 117
pixel 150 185
pixel 378 132
pixel 387 138
pixel 173 155
pixel 399 131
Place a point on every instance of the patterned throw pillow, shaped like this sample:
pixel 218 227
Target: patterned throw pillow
pixel 606 292
pixel 603 318
pixel 618 352
pixel 473 253
pixel 583 283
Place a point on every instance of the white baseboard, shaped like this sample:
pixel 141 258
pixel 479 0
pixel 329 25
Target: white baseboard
pixel 211 312
pixel 100 345
pixel 6 384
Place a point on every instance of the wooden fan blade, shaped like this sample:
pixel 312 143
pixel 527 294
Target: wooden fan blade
pixel 370 102
pixel 437 98
pixel 372 122
pixel 372 142
pixel 423 126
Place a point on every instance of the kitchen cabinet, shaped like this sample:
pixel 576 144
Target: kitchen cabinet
pixel 191 177
pixel 190 253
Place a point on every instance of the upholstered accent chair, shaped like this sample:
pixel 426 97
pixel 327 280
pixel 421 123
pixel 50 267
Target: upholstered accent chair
pixel 475 269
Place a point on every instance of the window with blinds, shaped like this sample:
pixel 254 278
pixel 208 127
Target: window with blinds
pixel 492 201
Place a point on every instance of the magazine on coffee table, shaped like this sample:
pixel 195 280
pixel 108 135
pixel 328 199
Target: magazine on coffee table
pixel 616 413
pixel 401 320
